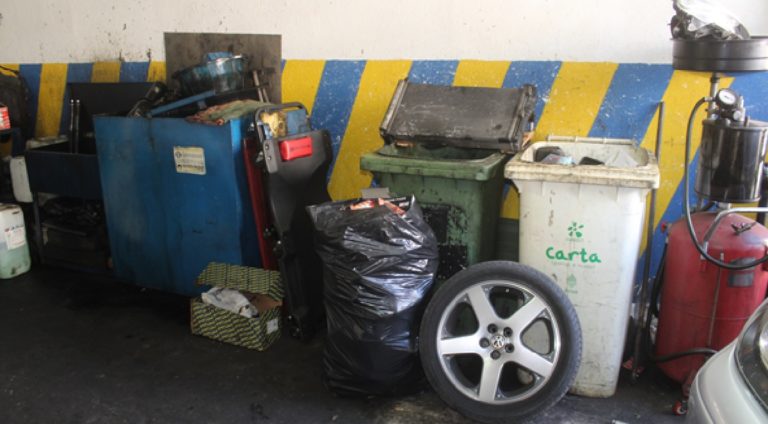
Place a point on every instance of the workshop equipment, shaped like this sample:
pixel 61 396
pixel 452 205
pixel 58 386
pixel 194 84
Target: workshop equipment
pixel 286 165
pixel 71 169
pixel 713 282
pixel 175 197
pixel 448 146
pixel 581 223
pixel 717 275
pixel 703 305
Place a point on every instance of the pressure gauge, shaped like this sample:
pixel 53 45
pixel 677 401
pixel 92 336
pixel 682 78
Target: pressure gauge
pixel 726 98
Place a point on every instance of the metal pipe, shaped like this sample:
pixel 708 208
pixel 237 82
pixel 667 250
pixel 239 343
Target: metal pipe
pixel 722 214
pixel 76 141
pixel 602 140
pixel 643 301
pixel 71 125
pixel 714 81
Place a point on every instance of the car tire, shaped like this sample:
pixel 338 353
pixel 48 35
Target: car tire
pixel 531 391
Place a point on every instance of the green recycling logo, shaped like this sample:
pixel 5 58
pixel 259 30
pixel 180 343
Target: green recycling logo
pixel 575 230
pixel 583 256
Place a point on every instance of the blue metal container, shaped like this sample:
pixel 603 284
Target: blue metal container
pixel 176 199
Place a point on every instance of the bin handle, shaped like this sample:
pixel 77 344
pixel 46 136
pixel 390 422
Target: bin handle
pixel 596 140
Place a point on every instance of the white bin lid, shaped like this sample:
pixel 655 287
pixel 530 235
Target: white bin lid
pixel 625 164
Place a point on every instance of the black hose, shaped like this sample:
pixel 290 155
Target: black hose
pixel 654 311
pixel 763 196
pixel 687 206
pixel 656 288
pixel 696 351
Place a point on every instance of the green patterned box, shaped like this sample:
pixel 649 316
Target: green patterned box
pixel 228 327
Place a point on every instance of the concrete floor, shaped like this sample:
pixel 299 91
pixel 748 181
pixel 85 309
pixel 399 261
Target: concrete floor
pixel 79 348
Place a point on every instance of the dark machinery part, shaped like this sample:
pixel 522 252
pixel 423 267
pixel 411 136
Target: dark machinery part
pixel 763 203
pixel 292 184
pixel 75 144
pixel 261 89
pixel 72 117
pixel 154 95
pixel 720 55
pixel 117 98
pixel 713 48
pixel 727 148
pixel 479 118
pixel 732 152
pixel 72 169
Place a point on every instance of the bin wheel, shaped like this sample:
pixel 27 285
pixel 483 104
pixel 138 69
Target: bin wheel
pixel 500 341
pixel 680 408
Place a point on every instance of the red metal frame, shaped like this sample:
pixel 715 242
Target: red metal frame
pixel 258 202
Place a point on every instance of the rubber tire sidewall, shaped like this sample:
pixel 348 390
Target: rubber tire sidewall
pixel 570 335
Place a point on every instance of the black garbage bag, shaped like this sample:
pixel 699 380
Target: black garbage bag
pixel 379 264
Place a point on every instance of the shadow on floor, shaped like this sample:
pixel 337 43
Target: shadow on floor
pixel 79 348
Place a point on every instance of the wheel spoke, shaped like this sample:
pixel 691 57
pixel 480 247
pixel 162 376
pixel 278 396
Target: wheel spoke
pixel 533 361
pixel 523 317
pixel 481 304
pixel 459 345
pixel 489 380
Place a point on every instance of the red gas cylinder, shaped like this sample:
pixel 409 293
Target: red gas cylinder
pixel 703 305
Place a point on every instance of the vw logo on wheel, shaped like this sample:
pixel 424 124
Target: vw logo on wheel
pixel 498 342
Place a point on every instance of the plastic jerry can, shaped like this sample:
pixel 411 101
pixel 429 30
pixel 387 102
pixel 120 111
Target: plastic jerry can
pixel 14 250
pixel 20 180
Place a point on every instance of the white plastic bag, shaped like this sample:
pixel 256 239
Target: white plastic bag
pixel 697 19
pixel 231 300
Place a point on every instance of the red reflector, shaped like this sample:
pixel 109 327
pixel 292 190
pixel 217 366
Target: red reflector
pixel 294 149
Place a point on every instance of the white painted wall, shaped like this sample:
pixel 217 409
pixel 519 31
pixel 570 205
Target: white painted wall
pixel 33 31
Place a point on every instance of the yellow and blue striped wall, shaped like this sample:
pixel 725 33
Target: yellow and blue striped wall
pixel 349 99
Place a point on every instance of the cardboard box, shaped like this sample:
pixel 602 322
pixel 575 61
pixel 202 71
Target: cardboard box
pixel 264 289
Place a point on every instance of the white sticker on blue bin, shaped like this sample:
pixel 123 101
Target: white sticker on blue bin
pixel 189 160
